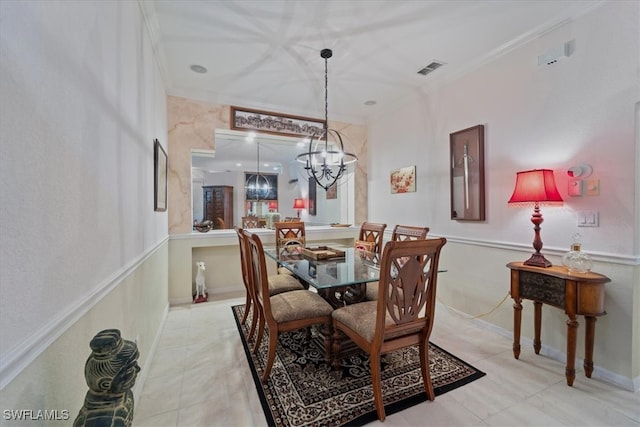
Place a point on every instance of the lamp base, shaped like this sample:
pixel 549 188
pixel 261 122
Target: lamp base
pixel 538 260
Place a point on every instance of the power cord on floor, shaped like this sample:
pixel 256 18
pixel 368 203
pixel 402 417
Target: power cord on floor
pixel 479 315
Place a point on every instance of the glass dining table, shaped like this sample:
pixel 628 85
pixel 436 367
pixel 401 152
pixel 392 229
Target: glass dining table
pixel 340 279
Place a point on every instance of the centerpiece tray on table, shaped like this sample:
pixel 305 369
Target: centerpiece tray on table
pixel 322 252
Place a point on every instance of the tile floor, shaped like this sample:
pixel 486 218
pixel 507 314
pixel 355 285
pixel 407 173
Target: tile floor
pixel 200 377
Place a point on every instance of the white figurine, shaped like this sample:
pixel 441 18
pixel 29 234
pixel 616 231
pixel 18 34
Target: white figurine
pixel 200 287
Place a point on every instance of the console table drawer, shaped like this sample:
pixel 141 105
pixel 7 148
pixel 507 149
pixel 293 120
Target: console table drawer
pixel 543 288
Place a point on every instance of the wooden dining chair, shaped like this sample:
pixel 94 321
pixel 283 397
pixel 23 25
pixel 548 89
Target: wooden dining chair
pixel 403 314
pixel 289 233
pixel 277 284
pixel 372 232
pixel 400 232
pixel 250 222
pixel 409 232
pixel 370 240
pixel 286 311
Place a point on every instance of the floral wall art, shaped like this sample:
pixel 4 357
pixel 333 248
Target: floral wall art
pixel 403 180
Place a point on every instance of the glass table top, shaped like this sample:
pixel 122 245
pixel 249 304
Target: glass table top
pixel 355 267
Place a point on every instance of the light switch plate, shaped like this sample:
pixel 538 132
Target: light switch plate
pixel 588 219
pixel 592 187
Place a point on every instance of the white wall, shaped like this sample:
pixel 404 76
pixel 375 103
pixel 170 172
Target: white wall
pixel 81 246
pixel 580 109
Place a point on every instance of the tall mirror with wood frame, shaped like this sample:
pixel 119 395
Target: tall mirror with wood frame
pixel 467 174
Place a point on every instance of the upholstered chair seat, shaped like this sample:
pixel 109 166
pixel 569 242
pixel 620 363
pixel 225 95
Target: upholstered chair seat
pixel 279 283
pixel 295 305
pixel 361 318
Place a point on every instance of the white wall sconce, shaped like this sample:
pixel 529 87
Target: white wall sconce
pixel 577 175
pixel 580 172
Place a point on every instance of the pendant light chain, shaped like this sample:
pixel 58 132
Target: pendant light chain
pixel 326 165
pixel 326 94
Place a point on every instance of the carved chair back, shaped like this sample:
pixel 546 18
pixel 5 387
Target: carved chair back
pixel 290 233
pixel 372 232
pixel 408 232
pixel 250 222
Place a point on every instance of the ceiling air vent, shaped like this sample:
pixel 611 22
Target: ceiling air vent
pixel 431 67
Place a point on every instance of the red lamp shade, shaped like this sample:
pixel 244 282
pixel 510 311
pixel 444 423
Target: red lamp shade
pixel 273 205
pixel 298 203
pixel 536 186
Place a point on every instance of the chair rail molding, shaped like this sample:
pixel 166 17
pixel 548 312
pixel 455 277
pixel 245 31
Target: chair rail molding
pixel 16 359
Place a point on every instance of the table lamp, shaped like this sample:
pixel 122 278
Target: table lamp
pixel 273 206
pixel 537 186
pixel 298 204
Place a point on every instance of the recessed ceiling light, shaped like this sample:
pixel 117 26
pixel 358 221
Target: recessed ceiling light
pixel 198 69
pixel 370 102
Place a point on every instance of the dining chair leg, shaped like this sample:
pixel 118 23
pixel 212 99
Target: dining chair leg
pixel 271 355
pixel 424 367
pixel 247 307
pixel 377 386
pixel 260 333
pixel 254 322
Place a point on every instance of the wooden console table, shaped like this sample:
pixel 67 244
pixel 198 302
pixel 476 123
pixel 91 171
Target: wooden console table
pixel 577 294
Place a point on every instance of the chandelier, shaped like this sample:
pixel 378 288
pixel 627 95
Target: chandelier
pixel 257 185
pixel 326 161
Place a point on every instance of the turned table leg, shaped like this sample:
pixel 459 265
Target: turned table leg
pixel 572 333
pixel 588 345
pixel 537 323
pixel 517 320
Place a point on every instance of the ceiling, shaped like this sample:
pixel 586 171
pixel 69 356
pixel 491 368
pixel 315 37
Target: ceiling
pixel 266 54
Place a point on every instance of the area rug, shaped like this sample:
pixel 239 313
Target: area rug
pixel 304 391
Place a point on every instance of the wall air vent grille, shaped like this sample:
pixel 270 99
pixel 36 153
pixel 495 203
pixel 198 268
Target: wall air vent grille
pixel 430 68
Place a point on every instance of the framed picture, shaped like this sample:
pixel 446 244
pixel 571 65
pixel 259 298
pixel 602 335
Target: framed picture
pixel 160 177
pixel 263 186
pixel 274 123
pixel 467 174
pixel 312 196
pixel 332 192
pixel 403 180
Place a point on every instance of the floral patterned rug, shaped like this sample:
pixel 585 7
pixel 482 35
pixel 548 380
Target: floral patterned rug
pixel 304 391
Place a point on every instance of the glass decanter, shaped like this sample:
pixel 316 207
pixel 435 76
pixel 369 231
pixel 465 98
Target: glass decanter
pixel 576 260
